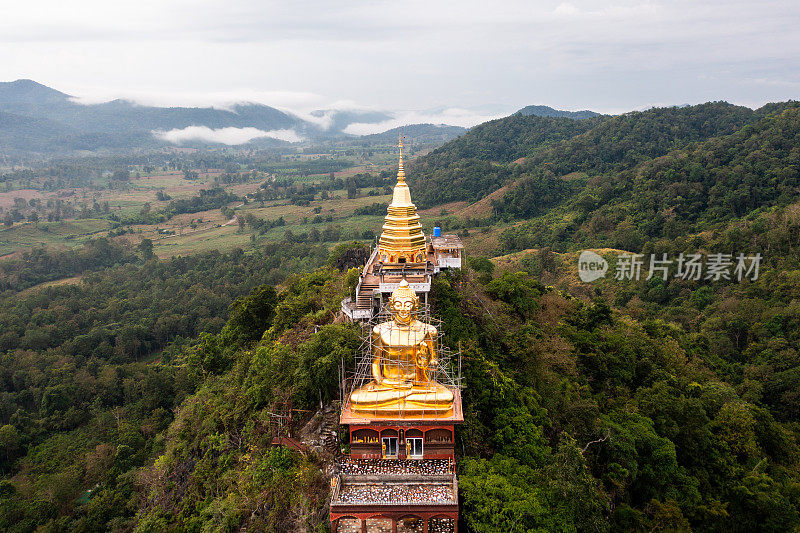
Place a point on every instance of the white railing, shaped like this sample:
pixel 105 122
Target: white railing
pixel 349 309
pixel 365 270
pixel 416 287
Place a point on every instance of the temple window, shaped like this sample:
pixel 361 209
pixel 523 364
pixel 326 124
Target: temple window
pixel 438 436
pixel 365 436
pixel 389 447
pixel 414 445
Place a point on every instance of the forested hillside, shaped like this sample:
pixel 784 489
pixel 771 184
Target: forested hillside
pixel 482 159
pixel 579 417
pixel 136 394
pixel 90 374
pixel 506 150
pixel 622 141
pixel 547 111
pixel 687 191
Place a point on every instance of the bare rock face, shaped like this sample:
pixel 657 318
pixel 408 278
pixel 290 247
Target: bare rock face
pixel 352 257
pixel 321 433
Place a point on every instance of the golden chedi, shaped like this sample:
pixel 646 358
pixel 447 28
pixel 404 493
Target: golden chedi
pixel 402 240
pixel 404 355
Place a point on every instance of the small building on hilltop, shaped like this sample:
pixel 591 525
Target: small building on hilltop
pixel 403 252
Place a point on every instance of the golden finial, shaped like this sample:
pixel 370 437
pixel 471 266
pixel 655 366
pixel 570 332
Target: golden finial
pixel 401 173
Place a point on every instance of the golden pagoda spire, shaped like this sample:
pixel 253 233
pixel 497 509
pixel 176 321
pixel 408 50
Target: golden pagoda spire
pixel 401 173
pixel 402 240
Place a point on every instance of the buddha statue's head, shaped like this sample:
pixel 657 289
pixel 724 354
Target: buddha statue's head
pixel 404 303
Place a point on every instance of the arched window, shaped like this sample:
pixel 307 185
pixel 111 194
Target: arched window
pixel 365 436
pixel 410 524
pixel 441 524
pixel 438 436
pixel 349 525
pixel 379 524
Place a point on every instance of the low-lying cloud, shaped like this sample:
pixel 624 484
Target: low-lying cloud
pixel 229 136
pixel 451 116
pixel 288 100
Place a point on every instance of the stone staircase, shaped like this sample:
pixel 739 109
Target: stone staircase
pixel 365 293
pixel 329 429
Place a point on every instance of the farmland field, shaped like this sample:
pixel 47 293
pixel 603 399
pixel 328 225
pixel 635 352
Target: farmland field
pixel 141 204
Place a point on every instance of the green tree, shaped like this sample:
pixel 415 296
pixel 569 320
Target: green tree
pixel 518 290
pixel 484 267
pixel 146 248
pixel 250 316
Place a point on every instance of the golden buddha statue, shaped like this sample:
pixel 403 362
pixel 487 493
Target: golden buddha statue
pixel 403 355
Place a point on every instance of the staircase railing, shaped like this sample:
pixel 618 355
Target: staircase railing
pixel 364 271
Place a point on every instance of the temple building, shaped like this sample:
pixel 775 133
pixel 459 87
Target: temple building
pixel 402 252
pixel 401 406
pixel 402 401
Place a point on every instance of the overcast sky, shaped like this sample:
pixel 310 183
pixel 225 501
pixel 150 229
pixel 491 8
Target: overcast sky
pixel 470 57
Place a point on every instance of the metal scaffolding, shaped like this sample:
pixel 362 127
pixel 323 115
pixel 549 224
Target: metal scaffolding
pixel 446 371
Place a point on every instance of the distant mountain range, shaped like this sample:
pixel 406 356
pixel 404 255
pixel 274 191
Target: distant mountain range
pixel 36 119
pixel 545 111
pixel 46 118
pixel 421 133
